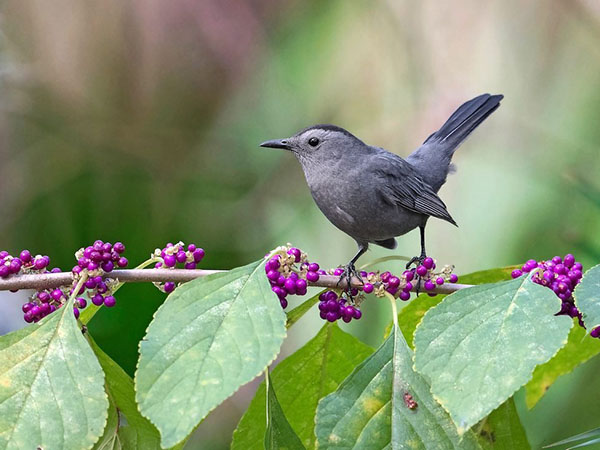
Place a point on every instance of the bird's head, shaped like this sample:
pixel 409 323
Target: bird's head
pixel 318 143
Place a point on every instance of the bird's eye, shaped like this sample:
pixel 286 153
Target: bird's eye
pixel 313 142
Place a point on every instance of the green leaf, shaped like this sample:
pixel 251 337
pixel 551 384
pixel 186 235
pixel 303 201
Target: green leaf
pixel 295 314
pixel 481 344
pixel 502 429
pixel 109 439
pixel 279 433
pixel 211 336
pixel 586 435
pixel 121 393
pixel 51 386
pixel 301 380
pixel 587 297
pixel 370 408
pixel 410 316
pixel 578 350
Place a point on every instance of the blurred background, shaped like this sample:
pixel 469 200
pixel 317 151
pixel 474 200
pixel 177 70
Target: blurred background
pixel 140 121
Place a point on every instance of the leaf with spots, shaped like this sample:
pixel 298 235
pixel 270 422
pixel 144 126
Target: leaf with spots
pixel 384 403
pixel 481 344
pixel 301 380
pixel 51 387
pixel 211 336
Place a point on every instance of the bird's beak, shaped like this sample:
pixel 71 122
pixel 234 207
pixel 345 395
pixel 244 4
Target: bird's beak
pixel 277 143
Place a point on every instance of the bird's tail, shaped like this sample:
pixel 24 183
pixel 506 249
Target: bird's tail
pixel 432 159
pixel 464 120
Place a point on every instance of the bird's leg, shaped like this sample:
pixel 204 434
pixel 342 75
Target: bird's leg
pixel 419 259
pixel 350 270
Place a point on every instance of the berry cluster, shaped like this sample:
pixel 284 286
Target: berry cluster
pixel 24 263
pixel 561 275
pixel 172 255
pixel 95 261
pixel 423 277
pixel 332 308
pixel 284 276
pixel 288 270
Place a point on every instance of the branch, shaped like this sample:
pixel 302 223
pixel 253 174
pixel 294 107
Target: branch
pixel 53 280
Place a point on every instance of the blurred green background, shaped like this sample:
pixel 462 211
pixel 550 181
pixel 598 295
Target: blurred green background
pixel 140 121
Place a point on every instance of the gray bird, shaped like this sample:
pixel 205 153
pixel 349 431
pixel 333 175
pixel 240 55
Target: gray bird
pixel 373 195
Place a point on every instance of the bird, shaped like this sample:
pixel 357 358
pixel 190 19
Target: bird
pixel 373 195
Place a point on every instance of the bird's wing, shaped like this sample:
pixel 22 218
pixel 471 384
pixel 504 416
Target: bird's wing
pixel 402 185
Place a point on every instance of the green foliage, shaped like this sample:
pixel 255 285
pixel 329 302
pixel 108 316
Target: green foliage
pixel 594 434
pixel 209 337
pixel 301 380
pixel 502 429
pixel 587 297
pixel 410 316
pixel 481 344
pixel 578 350
pixel 295 314
pixel 51 387
pixel 279 433
pixel 135 430
pixel 369 409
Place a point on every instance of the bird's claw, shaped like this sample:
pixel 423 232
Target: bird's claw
pixel 349 272
pixel 416 260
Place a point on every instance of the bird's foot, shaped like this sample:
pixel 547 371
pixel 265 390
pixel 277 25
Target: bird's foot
pixel 349 272
pixel 416 260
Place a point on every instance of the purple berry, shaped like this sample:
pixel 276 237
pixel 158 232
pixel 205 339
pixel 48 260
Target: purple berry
pixel 283 302
pixel 168 287
pixel 409 275
pixel 290 286
pixel 25 256
pixel 169 260
pixel 110 301
pixel 119 247
pixel 312 276
pixel 273 275
pixel 27 307
pixel 595 332
pixel 429 285
pixel 453 278
pixel 368 288
pixel 428 263
pixel 557 260
pixel 421 271
pixel 76 312
pixel 332 305
pixel 439 280
pixel 181 256
pixel 198 254
pixel 122 262
pixel 313 267
pixel 4 271
pixel 92 266
pixel 190 266
pixel 404 295
pixel 392 290
pixel 357 313
pixel 296 253
pixel 516 273
pixel 408 287
pixel 56 294
pixel 394 282
pixel 43 296
pixel 331 316
pixel 108 266
pixel 385 277
pixel 322 306
pixel 279 292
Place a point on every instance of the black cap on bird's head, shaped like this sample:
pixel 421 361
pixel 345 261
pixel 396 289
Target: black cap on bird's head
pixel 314 140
